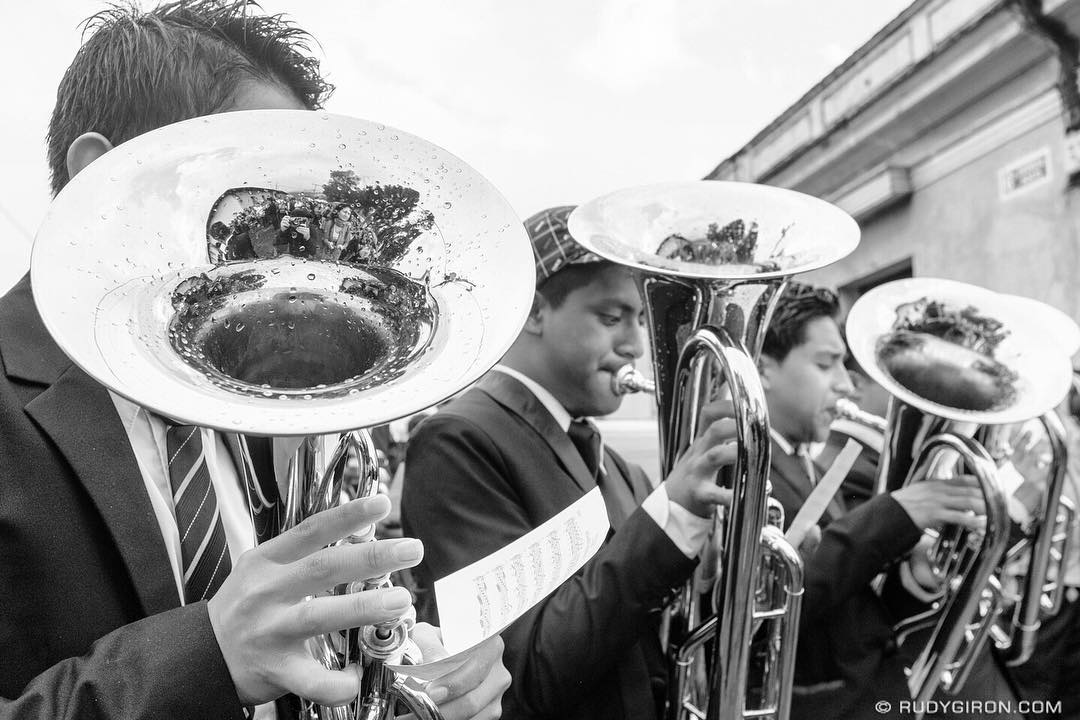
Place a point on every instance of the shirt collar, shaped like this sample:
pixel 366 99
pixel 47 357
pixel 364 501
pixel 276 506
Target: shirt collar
pixel 553 406
pixel 783 442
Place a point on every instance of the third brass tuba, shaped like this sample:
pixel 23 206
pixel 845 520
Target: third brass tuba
pixel 959 361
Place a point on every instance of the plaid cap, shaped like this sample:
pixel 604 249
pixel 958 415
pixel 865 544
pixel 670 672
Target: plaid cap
pixel 553 248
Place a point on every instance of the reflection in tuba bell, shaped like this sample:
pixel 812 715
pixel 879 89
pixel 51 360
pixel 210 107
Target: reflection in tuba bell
pixel 711 259
pixel 288 273
pixel 958 362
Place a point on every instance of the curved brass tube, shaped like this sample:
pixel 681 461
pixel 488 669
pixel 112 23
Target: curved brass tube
pixel 969 564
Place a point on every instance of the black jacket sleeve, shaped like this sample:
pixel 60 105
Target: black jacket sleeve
pixel 165 666
pixel 854 549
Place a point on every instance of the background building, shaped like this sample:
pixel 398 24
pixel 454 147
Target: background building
pixel 949 136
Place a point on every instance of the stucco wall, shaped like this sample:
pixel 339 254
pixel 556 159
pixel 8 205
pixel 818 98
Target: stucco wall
pixel 960 228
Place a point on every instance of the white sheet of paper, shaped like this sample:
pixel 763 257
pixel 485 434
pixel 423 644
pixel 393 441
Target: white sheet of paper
pixel 481 599
pixel 428 671
pixel 815 505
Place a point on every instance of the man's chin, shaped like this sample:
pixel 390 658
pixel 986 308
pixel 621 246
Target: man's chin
pixel 600 406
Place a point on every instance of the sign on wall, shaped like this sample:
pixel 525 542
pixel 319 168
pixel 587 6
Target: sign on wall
pixel 1024 174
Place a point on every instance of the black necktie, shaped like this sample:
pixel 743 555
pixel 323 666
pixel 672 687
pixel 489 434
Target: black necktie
pixel 586 439
pixel 618 497
pixel 203 548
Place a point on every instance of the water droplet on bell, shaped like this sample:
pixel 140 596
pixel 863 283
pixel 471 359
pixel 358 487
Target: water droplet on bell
pixel 447 205
pixel 311 276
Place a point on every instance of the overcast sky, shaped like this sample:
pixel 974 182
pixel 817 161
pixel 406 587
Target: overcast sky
pixel 554 102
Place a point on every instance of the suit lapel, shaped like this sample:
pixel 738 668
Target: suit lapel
pixel 78 415
pixel 518 399
pixel 620 503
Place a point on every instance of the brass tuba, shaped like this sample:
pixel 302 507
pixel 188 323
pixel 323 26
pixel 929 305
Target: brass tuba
pixel 958 362
pixel 711 259
pixel 209 271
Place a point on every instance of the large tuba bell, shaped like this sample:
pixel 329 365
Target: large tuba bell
pixel 959 361
pixel 288 273
pixel 711 259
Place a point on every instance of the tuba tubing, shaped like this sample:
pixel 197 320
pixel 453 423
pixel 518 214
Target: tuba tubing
pixel 1015 641
pixel 962 626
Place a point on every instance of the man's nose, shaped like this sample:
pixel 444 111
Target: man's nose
pixel 631 342
pixel 843 385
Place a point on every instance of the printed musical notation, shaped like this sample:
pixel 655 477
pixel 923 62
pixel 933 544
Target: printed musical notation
pixel 480 600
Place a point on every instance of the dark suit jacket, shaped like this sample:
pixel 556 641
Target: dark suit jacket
pixel 90 623
pixel 483 471
pixel 847 657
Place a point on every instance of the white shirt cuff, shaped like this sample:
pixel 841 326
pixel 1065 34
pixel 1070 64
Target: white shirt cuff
pixel 686 530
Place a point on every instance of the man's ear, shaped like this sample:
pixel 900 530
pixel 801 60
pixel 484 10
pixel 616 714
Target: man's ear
pixel 534 324
pixel 84 150
pixel 767 366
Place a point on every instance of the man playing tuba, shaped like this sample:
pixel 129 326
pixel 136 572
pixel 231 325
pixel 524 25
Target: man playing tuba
pixel 127 593
pixel 848 660
pixel 519 447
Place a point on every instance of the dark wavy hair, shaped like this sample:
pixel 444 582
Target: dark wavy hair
pixel 139 70
pixel 797 307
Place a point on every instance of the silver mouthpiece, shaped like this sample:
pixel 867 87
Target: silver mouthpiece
pixel 627 380
pixel 850 411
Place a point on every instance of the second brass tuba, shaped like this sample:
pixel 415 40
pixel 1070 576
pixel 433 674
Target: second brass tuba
pixel 711 259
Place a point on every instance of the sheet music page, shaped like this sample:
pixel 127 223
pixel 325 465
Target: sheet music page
pixel 481 599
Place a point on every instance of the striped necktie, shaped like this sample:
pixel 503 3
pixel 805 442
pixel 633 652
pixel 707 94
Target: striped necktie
pixel 203 548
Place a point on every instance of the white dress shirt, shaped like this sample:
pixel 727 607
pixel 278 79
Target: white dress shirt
pixel 146 433
pixel 802 451
pixel 684 528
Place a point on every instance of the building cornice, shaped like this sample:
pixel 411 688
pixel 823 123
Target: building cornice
pixel 918 38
